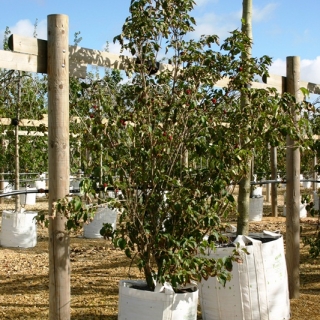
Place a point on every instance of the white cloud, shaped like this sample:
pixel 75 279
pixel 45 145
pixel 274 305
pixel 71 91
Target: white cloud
pixel 310 70
pixel 116 48
pixel 264 13
pixel 204 2
pixel 220 25
pixel 278 67
pixel 26 28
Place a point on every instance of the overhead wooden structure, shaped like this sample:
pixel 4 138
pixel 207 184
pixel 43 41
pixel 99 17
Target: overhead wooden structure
pixel 59 60
pixel 30 54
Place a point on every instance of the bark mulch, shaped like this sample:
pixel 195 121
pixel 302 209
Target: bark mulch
pixel 96 268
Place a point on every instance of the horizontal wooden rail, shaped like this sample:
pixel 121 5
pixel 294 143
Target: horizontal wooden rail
pixel 30 54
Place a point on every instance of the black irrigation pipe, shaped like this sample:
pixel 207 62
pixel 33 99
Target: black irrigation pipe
pixel 281 181
pixel 17 192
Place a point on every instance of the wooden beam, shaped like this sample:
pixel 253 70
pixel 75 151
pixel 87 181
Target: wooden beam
pixel 279 82
pixel 34 46
pixel 34 123
pixel 35 134
pixel 24 62
pixel 31 53
pixel 33 63
pixel 312 87
pixel 276 81
pixel 27 48
pixel 28 133
pixel 25 122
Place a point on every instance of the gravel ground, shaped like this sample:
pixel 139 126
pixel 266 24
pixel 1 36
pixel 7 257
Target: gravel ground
pixel 97 268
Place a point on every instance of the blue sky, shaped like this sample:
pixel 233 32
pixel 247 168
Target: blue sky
pixel 281 28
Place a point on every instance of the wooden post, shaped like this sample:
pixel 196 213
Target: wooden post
pixel 274 191
pixel 17 147
pixel 58 143
pixel 293 188
pixel 315 174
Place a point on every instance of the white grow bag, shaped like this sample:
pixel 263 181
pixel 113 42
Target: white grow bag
pixel 135 304
pixel 7 188
pixel 75 185
pixel 256 208
pixel 258 289
pixel 103 215
pixel 18 229
pixel 40 184
pixel 28 198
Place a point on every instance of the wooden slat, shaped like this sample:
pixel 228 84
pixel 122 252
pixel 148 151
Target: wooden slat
pixel 33 63
pixel 25 122
pixel 276 81
pixel 24 62
pixel 35 133
pixel 34 123
pixel 279 82
pixel 97 58
pixel 37 47
pixel 312 87
pixel 28 133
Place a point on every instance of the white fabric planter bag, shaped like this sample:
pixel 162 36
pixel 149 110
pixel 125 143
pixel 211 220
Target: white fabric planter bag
pixel 307 184
pixel 28 198
pixel 135 304
pixel 301 178
pixel 75 185
pixel 7 188
pixel 18 229
pixel 40 184
pixel 258 289
pixel 257 192
pixel 256 208
pixel 303 211
pixel 103 215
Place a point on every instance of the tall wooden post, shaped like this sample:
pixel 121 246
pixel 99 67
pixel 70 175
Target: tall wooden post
pixel 293 188
pixel 315 174
pixel 274 191
pixel 58 143
pixel 17 152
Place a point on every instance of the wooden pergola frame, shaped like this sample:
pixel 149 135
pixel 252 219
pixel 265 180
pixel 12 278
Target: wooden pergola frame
pixel 56 58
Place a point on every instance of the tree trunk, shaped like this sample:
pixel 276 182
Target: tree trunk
pixel 244 186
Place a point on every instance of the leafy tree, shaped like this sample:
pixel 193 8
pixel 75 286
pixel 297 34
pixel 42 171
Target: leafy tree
pixel 168 115
pixel 23 96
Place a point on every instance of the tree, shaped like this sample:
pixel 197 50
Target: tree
pixel 169 115
pixel 23 96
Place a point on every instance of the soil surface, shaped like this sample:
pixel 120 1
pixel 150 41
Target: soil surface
pixel 96 268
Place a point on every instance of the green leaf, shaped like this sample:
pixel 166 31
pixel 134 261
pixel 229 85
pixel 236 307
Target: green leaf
pixel 121 243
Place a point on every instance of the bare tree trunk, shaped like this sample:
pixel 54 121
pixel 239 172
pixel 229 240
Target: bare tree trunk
pixel 244 186
pixel 58 140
